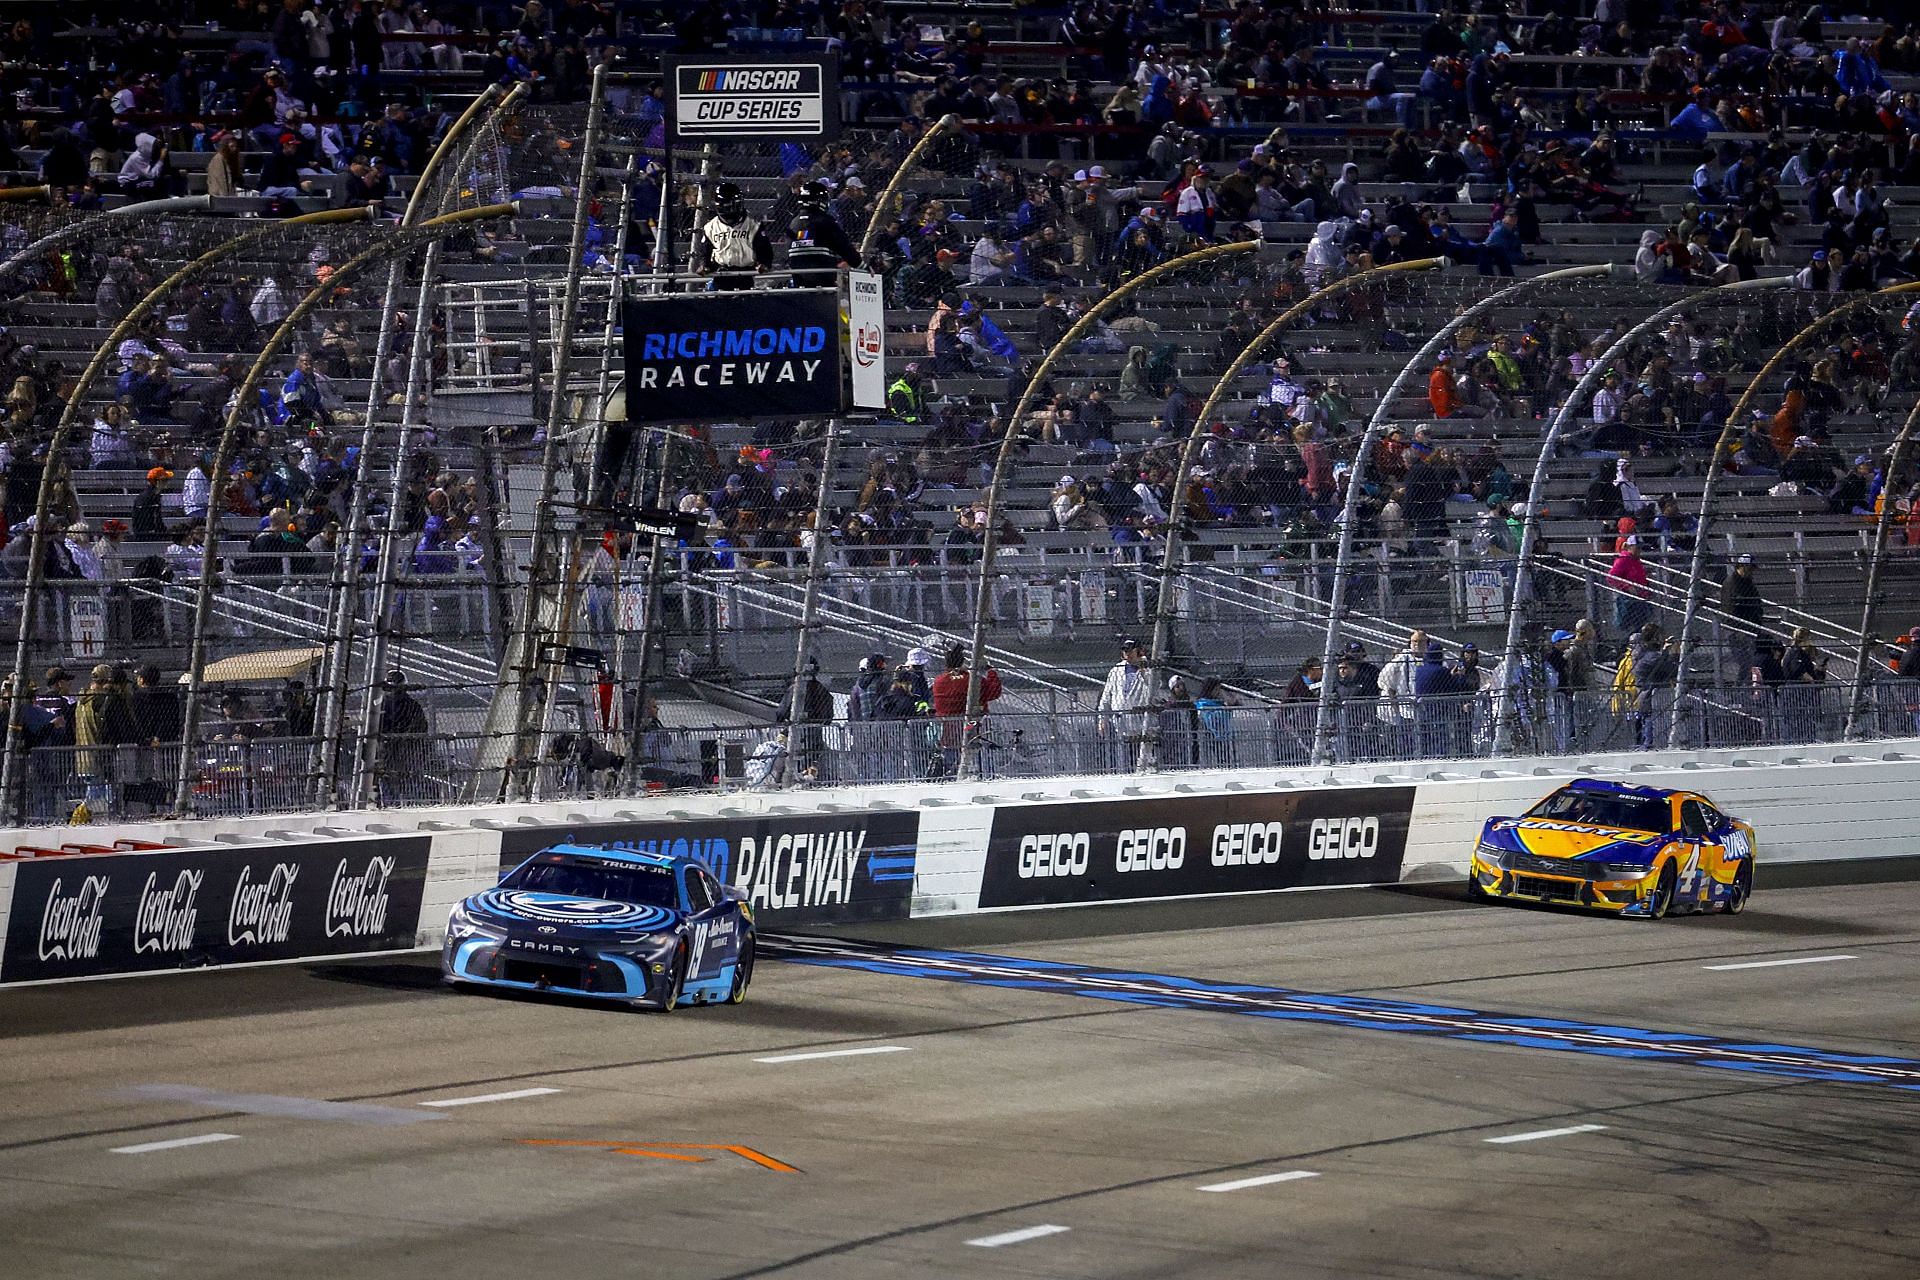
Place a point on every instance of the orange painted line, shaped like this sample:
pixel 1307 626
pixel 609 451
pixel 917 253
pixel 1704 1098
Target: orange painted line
pixel 653 1151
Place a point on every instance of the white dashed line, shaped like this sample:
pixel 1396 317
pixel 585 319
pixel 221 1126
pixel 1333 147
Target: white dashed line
pixel 488 1097
pixel 1017 1237
pixel 1774 964
pixel 838 1053
pixel 1538 1134
pixel 1264 1180
pixel 171 1144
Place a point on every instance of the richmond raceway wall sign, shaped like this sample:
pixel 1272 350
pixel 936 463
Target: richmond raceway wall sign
pixel 820 869
pixel 1049 854
pixel 74 917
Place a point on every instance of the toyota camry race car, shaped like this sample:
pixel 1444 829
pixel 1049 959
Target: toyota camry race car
pixel 642 928
pixel 1639 851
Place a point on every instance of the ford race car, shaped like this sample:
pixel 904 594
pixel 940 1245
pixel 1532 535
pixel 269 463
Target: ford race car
pixel 642 928
pixel 1638 851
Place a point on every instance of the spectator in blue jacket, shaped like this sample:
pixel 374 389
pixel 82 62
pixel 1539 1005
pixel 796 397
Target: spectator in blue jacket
pixel 1502 247
pixel 300 394
pixel 1858 73
pixel 1436 690
pixel 1697 119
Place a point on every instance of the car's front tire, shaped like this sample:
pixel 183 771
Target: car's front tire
pixel 1662 899
pixel 742 973
pixel 676 978
pixel 1739 891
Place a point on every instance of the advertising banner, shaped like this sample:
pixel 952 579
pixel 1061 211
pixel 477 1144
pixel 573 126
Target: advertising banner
pixel 703 357
pixel 142 912
pixel 812 869
pixel 1164 847
pixel 784 99
pixel 867 334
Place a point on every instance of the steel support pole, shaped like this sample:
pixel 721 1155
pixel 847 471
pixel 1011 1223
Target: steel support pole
pixel 877 216
pixel 1882 528
pixel 810 600
pixel 244 408
pixel 1171 553
pixel 83 227
pixel 11 764
pixel 522 655
pixel 1356 480
pixel 1716 467
pixel 386 568
pixel 343 608
pixel 1583 392
pixel 1009 443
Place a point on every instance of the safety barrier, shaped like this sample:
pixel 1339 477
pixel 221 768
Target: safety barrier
pixel 216 892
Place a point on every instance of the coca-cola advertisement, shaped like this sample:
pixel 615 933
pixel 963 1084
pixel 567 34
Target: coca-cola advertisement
pixel 136 912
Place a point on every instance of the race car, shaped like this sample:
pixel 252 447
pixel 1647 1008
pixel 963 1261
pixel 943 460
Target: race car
pixel 1637 851
pixel 640 928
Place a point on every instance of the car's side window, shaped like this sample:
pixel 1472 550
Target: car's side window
pixel 699 896
pixel 1712 816
pixel 712 886
pixel 1693 819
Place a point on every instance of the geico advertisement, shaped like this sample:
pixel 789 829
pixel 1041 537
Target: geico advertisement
pixel 1055 853
pixel 700 357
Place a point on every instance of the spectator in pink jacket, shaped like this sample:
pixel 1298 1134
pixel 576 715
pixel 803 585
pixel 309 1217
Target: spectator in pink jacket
pixel 1628 580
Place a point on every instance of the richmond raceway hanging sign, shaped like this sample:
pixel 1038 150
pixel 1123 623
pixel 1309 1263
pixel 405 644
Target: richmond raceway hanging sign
pixel 81 916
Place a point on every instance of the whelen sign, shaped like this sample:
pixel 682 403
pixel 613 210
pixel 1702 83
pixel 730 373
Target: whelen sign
pixel 780 99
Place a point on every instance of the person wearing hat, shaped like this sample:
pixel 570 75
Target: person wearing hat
pixel 949 695
pixel 1441 397
pixel 1437 700
pixel 1627 580
pixel 101 719
pixel 226 175
pixel 80 551
pixel 1124 720
pixel 1740 598
pixel 869 684
pixel 816 243
pixel 57 704
pixel 403 746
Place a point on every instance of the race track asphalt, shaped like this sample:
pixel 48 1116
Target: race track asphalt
pixel 667 1147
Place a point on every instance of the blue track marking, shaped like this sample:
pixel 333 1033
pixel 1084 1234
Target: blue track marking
pixel 1168 991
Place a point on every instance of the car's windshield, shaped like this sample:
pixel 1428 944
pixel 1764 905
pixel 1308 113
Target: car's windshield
pixel 1635 813
pixel 577 877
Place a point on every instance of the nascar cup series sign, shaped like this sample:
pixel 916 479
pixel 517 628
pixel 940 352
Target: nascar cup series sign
pixel 75 917
pixel 1171 847
pixel 728 356
pixel 773 98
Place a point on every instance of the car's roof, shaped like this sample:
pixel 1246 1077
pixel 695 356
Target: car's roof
pixel 1606 786
pixel 608 853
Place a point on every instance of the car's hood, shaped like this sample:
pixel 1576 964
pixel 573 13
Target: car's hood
pixel 518 908
pixel 1549 838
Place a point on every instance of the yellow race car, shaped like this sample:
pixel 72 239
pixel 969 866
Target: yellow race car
pixel 1637 851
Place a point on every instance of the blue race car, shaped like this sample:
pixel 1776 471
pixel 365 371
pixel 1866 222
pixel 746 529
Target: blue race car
pixel 642 928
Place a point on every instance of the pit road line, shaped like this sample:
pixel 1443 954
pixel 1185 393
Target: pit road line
pixel 1775 964
pixel 1018 1237
pixel 479 1098
pixel 171 1144
pixel 836 1053
pixel 1538 1134
pixel 1264 1180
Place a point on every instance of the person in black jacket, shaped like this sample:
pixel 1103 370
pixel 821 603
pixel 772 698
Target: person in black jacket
pixel 817 245
pixel 1740 596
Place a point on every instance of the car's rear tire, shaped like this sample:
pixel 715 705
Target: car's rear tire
pixel 742 973
pixel 1662 892
pixel 1739 891
pixel 676 978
